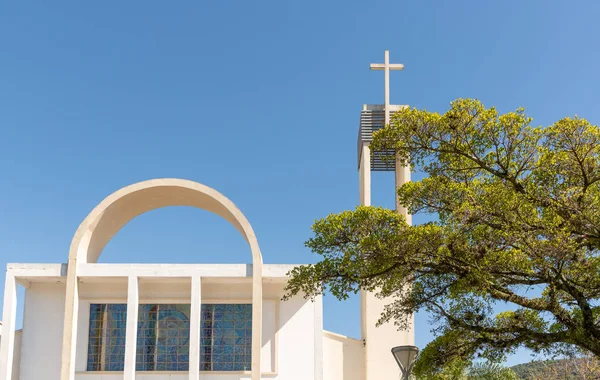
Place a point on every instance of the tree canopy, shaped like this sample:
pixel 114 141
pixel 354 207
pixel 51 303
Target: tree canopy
pixel 516 212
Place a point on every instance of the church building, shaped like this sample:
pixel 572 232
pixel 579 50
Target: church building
pixel 85 320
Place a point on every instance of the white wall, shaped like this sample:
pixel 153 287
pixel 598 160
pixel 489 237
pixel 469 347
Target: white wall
pixel 297 341
pixel 379 362
pixel 292 335
pixel 16 372
pixel 42 331
pixel 343 357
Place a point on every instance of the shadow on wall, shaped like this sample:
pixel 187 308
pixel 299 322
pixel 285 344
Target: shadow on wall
pixel 16 373
pixel 290 309
pixel 17 355
pixel 343 357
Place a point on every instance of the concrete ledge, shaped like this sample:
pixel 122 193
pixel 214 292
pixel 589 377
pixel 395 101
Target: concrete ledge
pixel 31 271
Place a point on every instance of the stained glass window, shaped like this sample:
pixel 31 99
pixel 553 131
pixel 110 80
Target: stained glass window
pixel 226 337
pixel 163 337
pixel 106 348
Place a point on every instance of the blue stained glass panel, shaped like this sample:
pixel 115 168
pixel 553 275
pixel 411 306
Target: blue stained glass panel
pixel 163 337
pixel 106 344
pixel 225 341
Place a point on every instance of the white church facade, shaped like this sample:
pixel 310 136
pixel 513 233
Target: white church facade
pixel 89 320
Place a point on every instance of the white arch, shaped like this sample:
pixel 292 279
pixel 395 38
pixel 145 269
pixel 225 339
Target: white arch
pixel 116 210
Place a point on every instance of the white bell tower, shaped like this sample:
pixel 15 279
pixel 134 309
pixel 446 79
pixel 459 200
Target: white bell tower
pixel 379 362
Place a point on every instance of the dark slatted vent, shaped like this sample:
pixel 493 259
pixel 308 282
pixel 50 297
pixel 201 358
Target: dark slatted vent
pixel 370 121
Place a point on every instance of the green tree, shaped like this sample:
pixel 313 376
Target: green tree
pixel 517 213
pixel 569 368
pixel 490 371
pixel 463 370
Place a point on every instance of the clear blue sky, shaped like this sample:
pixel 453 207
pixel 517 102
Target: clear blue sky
pixel 259 100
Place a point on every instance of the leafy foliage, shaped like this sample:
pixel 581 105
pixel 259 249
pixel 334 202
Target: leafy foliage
pixel 491 371
pixel 517 223
pixel 462 370
pixel 578 368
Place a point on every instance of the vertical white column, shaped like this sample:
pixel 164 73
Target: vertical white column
pixel 195 315
pixel 365 176
pixel 74 329
pixel 386 87
pixel 318 334
pixel 7 345
pixel 131 327
pixel 257 310
pixel 402 177
pixel 71 316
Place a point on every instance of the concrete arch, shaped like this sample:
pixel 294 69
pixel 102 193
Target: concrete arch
pixel 116 210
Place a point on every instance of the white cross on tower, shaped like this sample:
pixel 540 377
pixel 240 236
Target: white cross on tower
pixel 386 67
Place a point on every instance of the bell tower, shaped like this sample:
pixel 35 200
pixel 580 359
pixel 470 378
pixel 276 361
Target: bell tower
pixel 379 362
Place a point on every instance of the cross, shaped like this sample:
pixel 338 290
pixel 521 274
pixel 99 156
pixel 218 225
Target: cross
pixel 402 173
pixel 386 67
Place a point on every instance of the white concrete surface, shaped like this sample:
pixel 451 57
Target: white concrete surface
pixel 364 176
pixel 133 301
pixel 195 320
pixel 42 330
pixel 16 369
pixel 344 357
pixel 8 326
